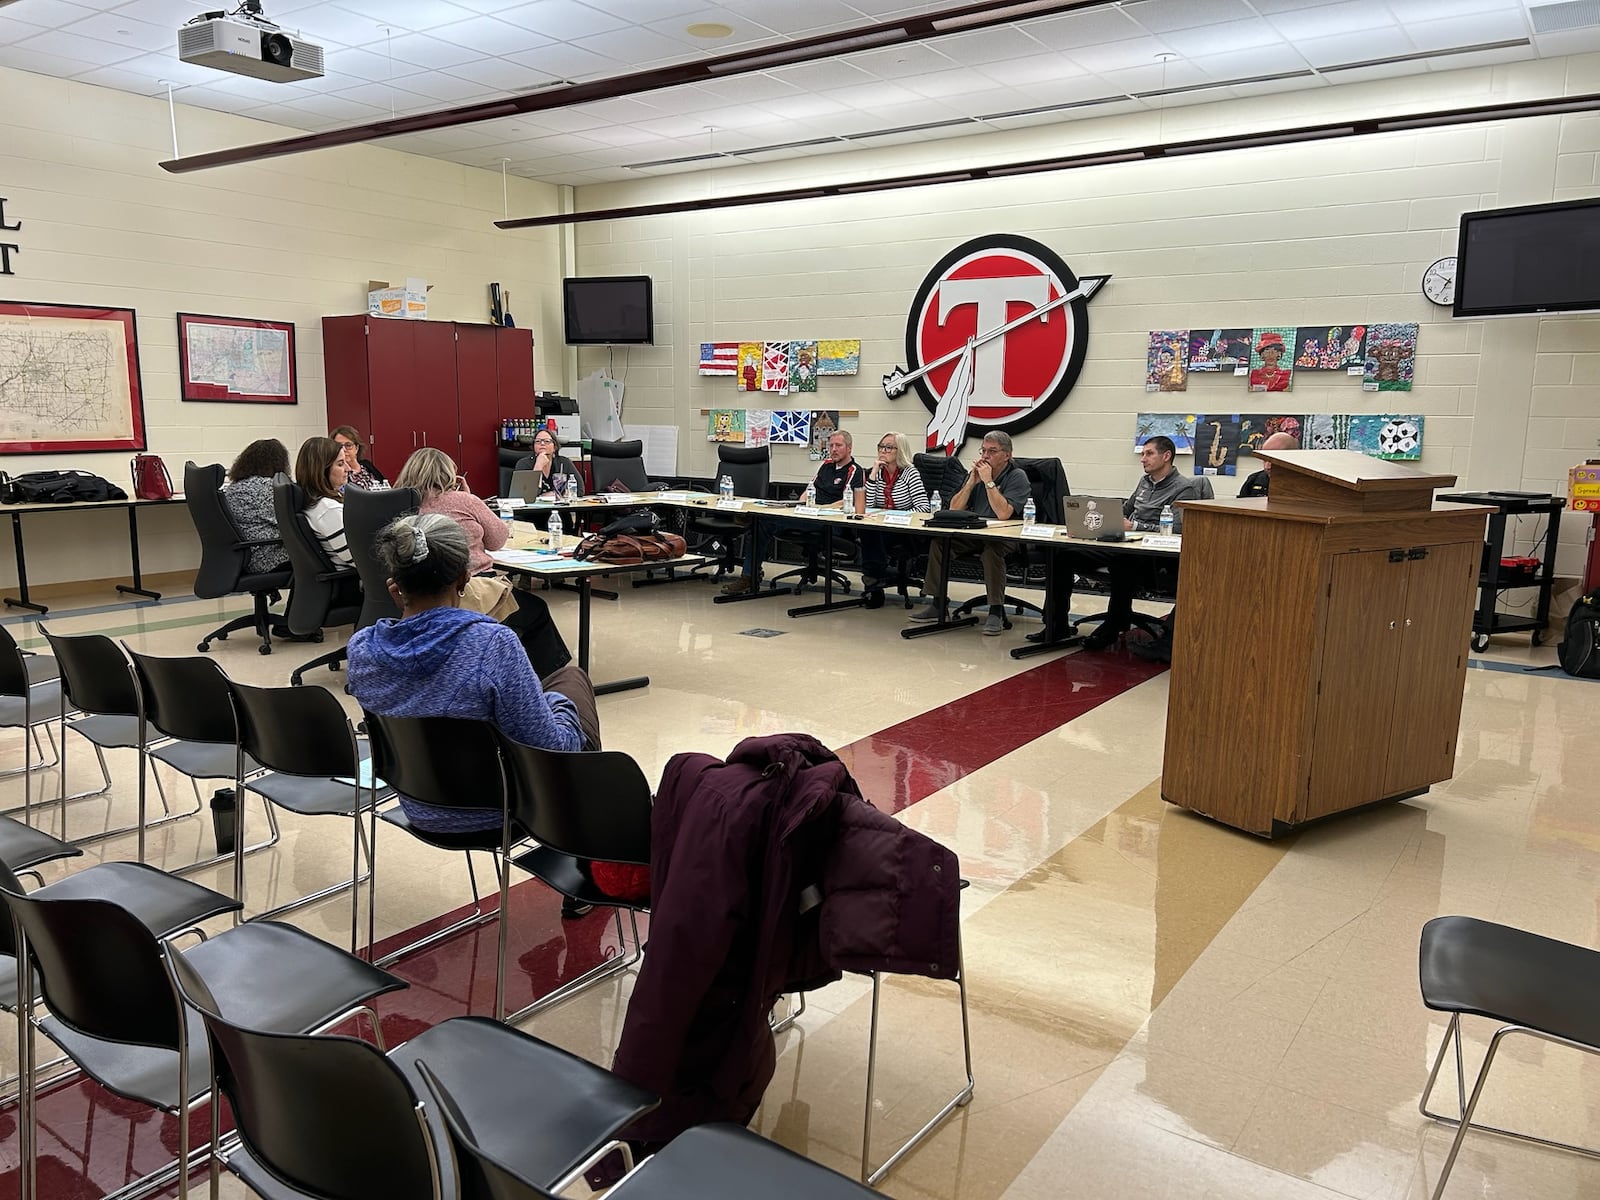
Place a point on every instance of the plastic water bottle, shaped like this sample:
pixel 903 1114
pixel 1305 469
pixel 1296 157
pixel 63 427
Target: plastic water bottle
pixel 725 487
pixel 933 503
pixel 1030 512
pixel 554 526
pixel 1166 521
pixel 810 498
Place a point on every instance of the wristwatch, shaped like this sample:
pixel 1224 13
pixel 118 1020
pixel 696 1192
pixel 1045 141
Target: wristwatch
pixel 991 485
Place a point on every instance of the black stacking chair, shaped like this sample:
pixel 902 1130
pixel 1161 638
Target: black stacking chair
pixel 186 700
pixel 22 848
pixel 612 462
pixel 97 681
pixel 1524 983
pixel 577 806
pixel 30 698
pixel 365 514
pixel 312 759
pixel 319 599
pixel 103 978
pixel 707 1162
pixel 225 558
pixel 450 763
pixel 334 1116
pixel 750 469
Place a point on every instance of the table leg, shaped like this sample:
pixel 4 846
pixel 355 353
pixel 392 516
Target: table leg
pixel 1058 632
pixel 22 569
pixel 630 684
pixel 829 604
pixel 943 600
pixel 138 588
pixel 755 592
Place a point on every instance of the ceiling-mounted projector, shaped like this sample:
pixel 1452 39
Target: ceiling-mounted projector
pixel 246 43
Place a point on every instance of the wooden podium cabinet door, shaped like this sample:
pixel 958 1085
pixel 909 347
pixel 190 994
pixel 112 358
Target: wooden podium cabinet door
pixel 1432 666
pixel 1360 664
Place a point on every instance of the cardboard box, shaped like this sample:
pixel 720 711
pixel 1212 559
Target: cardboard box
pixel 565 427
pixel 1583 487
pixel 408 301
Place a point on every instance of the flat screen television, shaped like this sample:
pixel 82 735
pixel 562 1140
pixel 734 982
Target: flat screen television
pixel 606 310
pixel 1541 258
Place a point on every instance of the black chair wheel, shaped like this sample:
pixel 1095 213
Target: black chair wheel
pixel 222 637
pixel 1536 637
pixel 1480 642
pixel 294 680
pixel 317 636
pixel 204 647
pixel 872 598
pixel 264 648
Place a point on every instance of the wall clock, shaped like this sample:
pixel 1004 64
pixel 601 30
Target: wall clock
pixel 1439 281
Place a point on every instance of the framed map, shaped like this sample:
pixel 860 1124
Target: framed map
pixel 236 360
pixel 69 379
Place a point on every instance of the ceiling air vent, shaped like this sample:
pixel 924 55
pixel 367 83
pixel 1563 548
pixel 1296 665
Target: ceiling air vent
pixel 1566 16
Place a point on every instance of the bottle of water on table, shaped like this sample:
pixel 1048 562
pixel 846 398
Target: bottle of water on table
pixel 1030 512
pixel 554 526
pixel 725 487
pixel 1166 520
pixel 933 503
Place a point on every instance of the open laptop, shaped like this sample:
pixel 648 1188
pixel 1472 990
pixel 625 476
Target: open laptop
pixel 1090 516
pixel 524 486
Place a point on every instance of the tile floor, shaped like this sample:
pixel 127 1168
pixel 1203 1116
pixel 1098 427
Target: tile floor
pixel 1161 1006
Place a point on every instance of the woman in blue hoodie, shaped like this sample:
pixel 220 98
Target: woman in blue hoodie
pixel 438 660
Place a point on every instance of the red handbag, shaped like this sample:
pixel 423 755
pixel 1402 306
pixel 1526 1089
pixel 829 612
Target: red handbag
pixel 150 478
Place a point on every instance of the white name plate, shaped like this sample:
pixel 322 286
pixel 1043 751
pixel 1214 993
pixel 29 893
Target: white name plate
pixel 1159 541
pixel 673 497
pixel 805 510
pixel 731 505
pixel 1039 531
pixel 621 498
pixel 897 518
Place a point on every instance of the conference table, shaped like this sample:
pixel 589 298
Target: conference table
pixel 528 553
pixel 1057 633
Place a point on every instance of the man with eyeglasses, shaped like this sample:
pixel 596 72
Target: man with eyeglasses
pixel 995 488
pixel 840 483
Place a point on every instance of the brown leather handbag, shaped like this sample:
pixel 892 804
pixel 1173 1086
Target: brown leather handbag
pixel 630 549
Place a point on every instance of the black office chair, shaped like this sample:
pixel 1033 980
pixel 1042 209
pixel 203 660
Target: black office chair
pixel 225 558
pixel 320 598
pixel 750 469
pixel 335 1116
pixel 1047 483
pixel 1159 579
pixel 578 807
pixel 365 515
pixel 940 473
pixel 449 763
pixel 614 462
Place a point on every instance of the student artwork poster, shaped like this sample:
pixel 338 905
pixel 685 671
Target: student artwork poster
pixel 1329 347
pixel 1177 426
pixel 1219 349
pixel 1166 361
pixel 1270 366
pixel 1391 358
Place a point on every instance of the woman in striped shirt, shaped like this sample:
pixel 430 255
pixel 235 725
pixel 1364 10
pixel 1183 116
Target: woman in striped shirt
pixel 893 484
pixel 320 471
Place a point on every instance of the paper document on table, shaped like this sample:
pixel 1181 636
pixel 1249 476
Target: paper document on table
pixel 660 448
pixel 523 558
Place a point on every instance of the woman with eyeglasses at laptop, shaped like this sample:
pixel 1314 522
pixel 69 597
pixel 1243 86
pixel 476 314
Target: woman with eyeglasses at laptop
pixel 894 484
pixel 547 460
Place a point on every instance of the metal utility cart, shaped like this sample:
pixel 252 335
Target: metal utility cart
pixel 1487 619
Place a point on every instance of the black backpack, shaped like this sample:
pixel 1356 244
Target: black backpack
pixel 57 487
pixel 1579 650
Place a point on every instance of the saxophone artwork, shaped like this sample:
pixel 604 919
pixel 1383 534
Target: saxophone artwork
pixel 1218 456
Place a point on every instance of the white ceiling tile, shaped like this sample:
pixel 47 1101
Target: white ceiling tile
pixel 491 36
pixel 907 61
pixel 1471 30
pixel 1117 56
pixel 1065 91
pixel 389 99
pixel 374 66
pixel 1225 38
pixel 621 110
pixel 638 48
pixel 757 88
pixel 1162 16
pixel 414 15
pixel 1351 47
pixel 1243 64
pixel 1274 86
pixel 677 101
pixel 622 135
pixel 684 125
pixel 53 14
pixel 562 120
pixel 1491 58
pixel 802 106
pixel 822 76
pixel 1036 68
pixel 1327 20
pixel 122 80
pixel 159 66
pixel 14 29
pixel 876 95
pixel 90 51
pixel 447 89
pixel 645 10
pixel 1577 41
pixel 562 20
pixel 960 82
pixel 501 75
pixel 1093 28
pixel 747 30
pixel 124 31
pixel 329 24
pixel 989 45
pixel 562 60
pixel 425 50
pixel 1156 77
pixel 1367 74
pixel 169 14
pixel 338 108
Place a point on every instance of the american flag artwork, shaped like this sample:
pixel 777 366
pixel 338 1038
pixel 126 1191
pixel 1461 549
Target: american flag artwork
pixel 719 358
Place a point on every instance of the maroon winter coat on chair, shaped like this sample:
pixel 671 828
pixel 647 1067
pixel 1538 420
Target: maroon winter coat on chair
pixel 769 874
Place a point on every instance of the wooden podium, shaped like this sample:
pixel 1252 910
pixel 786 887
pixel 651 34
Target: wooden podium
pixel 1321 644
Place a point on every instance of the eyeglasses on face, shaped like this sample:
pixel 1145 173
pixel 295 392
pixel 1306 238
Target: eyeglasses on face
pixel 988 450
pixel 887 446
